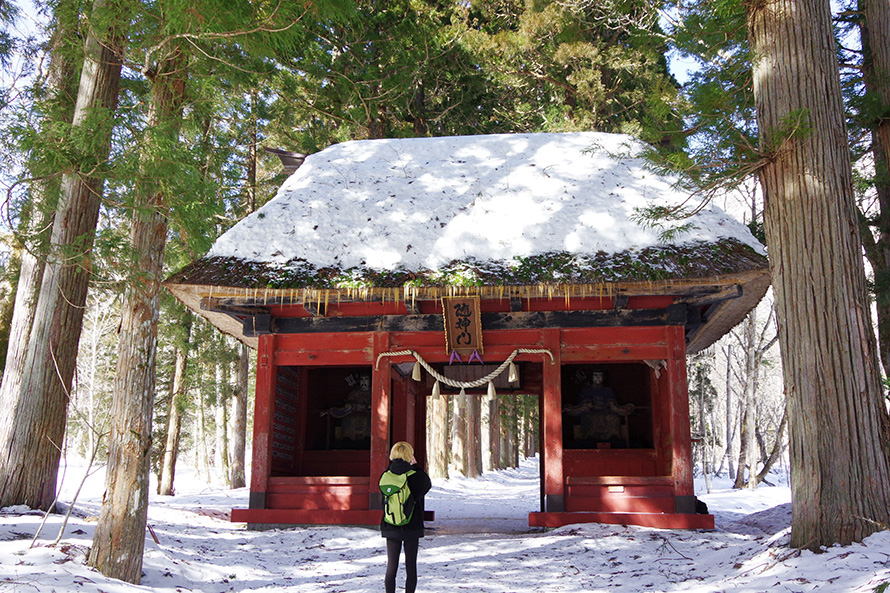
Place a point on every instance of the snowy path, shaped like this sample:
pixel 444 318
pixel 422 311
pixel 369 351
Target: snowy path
pixel 479 542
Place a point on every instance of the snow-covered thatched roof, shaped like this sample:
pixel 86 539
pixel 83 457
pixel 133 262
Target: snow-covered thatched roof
pixel 423 215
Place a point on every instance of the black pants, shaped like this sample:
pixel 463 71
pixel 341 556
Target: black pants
pixel 393 549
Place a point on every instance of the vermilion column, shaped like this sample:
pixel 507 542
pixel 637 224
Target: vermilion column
pixel 381 386
pixel 262 421
pixel 402 410
pixel 681 440
pixel 554 484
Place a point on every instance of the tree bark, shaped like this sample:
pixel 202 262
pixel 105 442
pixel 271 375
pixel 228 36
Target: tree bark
pixel 776 452
pixel 490 430
pixel 748 450
pixel 703 434
pixel 221 420
pixel 239 396
pixel 508 435
pixel 36 399
pixel 471 442
pixel 36 217
pixel 838 423
pixel 437 441
pixel 239 419
pixel 874 29
pixel 252 145
pixel 174 416
pixel 102 313
pixel 459 457
pixel 730 436
pixel 202 456
pixel 119 540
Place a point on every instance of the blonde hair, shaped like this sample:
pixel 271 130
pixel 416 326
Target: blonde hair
pixel 402 450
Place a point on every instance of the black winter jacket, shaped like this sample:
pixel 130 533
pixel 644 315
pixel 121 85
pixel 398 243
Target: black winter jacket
pixel 419 483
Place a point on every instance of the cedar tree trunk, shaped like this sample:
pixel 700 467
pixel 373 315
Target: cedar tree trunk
pixel 174 416
pixel 874 31
pixel 119 540
pixel 838 422
pixel 239 419
pixel 437 439
pixel 459 453
pixel 35 400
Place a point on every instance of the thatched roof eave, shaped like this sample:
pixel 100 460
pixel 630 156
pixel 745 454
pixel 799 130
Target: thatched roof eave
pixel 752 285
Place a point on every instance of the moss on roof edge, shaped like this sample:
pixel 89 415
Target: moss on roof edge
pixel 667 262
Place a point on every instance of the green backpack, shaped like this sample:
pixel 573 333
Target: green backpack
pixel 398 503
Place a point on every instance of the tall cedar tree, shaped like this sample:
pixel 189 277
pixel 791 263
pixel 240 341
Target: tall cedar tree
pixel 872 109
pixel 722 118
pixel 239 28
pixel 120 533
pixel 41 136
pixel 838 423
pixel 34 402
pixel 176 408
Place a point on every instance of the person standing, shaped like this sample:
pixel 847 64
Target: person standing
pixel 408 535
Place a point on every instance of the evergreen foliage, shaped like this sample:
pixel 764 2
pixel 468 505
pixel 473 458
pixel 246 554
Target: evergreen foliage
pixel 576 65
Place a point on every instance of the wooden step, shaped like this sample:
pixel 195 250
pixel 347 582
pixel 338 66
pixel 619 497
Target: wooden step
pixel 335 493
pixel 659 520
pixel 620 480
pixel 286 481
pixel 620 504
pixel 306 517
pixel 312 517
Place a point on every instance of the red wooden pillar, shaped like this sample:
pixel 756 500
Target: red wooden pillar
pixel 661 421
pixel 419 430
pixel 554 484
pixel 302 421
pixel 411 412
pixel 681 439
pixel 402 409
pixel 264 408
pixel 381 386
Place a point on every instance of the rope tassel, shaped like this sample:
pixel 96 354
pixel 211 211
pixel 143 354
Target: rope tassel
pixel 513 375
pixel 436 392
pixel 491 392
pixel 415 374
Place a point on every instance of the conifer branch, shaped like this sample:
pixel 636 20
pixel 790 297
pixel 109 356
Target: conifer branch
pixel 265 26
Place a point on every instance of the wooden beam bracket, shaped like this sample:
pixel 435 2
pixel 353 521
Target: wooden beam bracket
pixel 673 315
pixel 254 319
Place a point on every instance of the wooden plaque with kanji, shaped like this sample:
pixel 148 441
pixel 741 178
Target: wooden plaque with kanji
pixel 463 324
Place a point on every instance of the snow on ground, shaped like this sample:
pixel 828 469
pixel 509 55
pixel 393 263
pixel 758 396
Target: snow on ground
pixel 479 542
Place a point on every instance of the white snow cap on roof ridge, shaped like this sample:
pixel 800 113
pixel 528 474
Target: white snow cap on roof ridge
pixel 420 203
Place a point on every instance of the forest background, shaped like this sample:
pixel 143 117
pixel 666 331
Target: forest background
pixel 155 116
